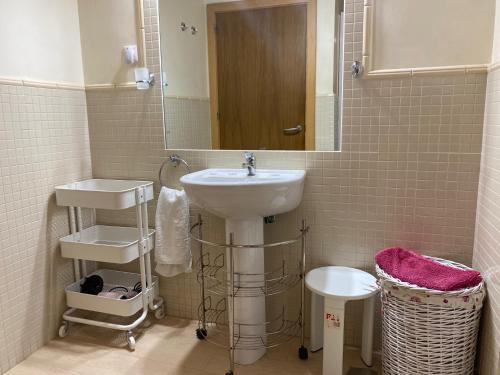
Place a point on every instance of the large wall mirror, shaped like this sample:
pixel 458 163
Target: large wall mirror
pixel 251 74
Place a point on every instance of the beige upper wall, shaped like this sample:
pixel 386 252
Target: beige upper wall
pixel 430 33
pixel 40 40
pixel 106 27
pixel 184 56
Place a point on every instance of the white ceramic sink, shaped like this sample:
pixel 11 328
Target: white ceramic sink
pixel 231 193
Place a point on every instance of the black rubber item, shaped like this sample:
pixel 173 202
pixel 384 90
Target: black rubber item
pixel 303 353
pixel 201 333
pixel 137 287
pixel 92 285
pixel 229 373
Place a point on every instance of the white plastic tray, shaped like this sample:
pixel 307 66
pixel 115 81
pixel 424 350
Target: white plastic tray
pixel 104 194
pixel 106 305
pixel 103 243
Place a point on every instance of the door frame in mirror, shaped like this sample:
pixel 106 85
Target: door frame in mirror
pixel 212 10
pixel 141 33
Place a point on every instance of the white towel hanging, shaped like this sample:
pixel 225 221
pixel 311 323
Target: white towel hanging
pixel 172 245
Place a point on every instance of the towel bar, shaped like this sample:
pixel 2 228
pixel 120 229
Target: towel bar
pixel 174 160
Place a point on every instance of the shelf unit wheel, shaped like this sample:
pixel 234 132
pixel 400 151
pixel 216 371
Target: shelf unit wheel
pixel 201 333
pixel 160 312
pixel 303 353
pixel 130 341
pixel 64 329
pixel 229 373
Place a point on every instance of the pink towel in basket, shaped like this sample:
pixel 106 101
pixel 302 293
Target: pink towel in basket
pixel 416 269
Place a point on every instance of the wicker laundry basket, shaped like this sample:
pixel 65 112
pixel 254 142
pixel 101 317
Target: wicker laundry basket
pixel 428 331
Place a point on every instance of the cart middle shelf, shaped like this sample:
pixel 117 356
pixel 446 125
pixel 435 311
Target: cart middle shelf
pixel 109 244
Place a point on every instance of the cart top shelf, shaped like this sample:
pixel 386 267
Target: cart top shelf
pixel 104 194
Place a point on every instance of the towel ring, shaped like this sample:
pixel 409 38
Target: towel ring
pixel 174 160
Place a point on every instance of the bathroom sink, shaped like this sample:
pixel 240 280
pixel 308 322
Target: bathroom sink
pixel 243 201
pixel 231 193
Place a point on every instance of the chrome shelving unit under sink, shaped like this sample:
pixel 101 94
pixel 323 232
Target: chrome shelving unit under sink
pixel 220 286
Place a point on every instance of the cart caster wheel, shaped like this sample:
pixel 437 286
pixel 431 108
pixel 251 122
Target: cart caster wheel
pixel 160 313
pixel 64 329
pixel 130 341
pixel 303 354
pixel 201 333
pixel 229 373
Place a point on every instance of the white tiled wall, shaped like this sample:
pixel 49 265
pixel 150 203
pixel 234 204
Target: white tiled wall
pixel 487 240
pixel 407 174
pixel 326 117
pixel 43 142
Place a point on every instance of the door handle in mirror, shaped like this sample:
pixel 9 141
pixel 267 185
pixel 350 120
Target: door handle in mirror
pixel 293 131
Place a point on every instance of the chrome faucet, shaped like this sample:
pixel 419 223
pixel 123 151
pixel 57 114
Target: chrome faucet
pixel 250 163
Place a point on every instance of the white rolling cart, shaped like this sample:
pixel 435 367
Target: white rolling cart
pixel 110 244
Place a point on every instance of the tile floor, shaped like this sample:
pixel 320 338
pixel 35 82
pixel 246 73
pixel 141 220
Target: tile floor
pixel 168 347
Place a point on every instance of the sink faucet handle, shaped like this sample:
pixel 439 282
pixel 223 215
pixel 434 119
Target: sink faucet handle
pixel 249 156
pixel 250 163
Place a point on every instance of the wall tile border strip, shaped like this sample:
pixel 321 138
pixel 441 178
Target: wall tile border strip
pixel 430 71
pixel 185 97
pixel 107 86
pixel 41 84
pixel 64 85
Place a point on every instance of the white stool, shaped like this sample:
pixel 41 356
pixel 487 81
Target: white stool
pixel 331 288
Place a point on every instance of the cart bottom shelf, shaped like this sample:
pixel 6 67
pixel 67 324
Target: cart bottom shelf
pixel 111 278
